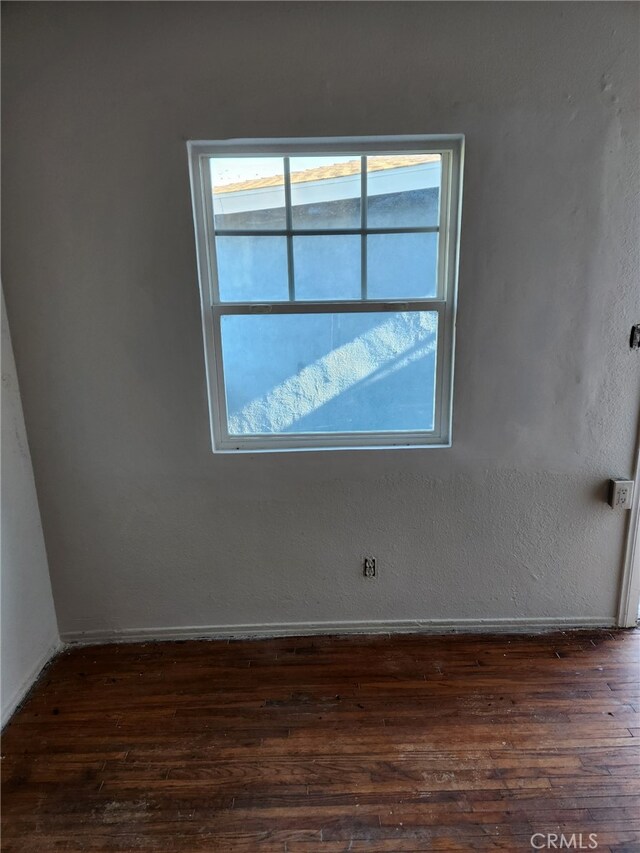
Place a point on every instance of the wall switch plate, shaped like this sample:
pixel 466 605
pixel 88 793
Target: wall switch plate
pixel 620 494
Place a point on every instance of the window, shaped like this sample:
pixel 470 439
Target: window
pixel 328 284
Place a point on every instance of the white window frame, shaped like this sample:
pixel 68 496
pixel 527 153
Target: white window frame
pixel 451 149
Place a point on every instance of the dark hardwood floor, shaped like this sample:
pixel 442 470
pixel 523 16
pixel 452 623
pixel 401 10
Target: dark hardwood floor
pixel 319 745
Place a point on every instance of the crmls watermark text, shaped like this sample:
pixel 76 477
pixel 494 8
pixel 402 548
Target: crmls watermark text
pixel 554 841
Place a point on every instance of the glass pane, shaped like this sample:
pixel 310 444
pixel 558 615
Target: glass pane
pixel 248 192
pixel 327 373
pixel 403 190
pixel 325 192
pixel 252 269
pixel 327 267
pixel 400 266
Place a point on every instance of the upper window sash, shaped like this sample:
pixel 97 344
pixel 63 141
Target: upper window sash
pixel 201 154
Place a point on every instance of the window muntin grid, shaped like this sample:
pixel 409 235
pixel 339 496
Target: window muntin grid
pixel 362 231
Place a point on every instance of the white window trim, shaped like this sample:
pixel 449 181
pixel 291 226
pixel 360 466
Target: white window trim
pixel 451 148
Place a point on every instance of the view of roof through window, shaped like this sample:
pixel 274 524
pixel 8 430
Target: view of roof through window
pixel 242 185
pixel 248 173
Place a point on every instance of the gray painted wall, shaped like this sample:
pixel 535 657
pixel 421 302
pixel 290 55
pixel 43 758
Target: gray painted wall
pixel 145 528
pixel 29 629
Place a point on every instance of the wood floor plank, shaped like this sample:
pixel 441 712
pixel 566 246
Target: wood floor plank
pixel 387 744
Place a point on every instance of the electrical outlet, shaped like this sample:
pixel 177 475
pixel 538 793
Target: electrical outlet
pixel 369 569
pixel 620 494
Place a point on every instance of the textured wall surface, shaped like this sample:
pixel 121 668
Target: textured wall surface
pixel 145 528
pixel 29 629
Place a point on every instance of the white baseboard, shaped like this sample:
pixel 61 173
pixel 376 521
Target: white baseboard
pixel 12 702
pixel 301 629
